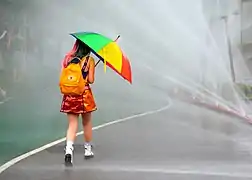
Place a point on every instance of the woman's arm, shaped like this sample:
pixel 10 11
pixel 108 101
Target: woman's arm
pixel 91 71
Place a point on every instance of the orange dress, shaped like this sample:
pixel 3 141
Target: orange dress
pixel 79 104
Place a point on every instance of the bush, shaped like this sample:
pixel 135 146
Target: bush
pixel 246 89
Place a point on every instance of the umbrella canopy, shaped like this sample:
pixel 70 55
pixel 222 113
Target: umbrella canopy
pixel 108 51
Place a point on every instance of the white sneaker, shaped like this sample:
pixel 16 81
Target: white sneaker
pixel 88 151
pixel 68 156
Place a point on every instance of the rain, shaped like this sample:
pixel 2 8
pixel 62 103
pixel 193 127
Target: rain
pixel 186 115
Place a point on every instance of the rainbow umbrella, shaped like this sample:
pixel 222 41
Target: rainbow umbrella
pixel 108 51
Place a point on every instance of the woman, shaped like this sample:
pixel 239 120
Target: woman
pixel 82 105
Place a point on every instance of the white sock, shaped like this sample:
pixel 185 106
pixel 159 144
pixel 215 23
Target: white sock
pixel 69 144
pixel 87 144
pixel 69 147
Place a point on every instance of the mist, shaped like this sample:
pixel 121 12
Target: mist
pixel 171 45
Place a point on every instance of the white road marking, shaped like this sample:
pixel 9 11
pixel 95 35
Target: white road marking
pixel 26 155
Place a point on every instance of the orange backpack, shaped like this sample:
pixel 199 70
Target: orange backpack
pixel 71 78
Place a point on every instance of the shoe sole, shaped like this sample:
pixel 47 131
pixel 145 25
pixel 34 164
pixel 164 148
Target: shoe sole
pixel 68 160
pixel 88 157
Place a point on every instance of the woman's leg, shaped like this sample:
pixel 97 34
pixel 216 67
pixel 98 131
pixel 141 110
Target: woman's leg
pixel 72 127
pixel 70 136
pixel 87 128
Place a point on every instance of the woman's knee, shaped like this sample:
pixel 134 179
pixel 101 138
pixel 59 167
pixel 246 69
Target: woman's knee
pixel 86 118
pixel 72 118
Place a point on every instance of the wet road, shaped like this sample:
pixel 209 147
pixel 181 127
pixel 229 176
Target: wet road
pixel 180 141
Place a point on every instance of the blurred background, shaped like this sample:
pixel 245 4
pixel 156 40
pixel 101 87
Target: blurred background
pixel 34 39
pixel 199 48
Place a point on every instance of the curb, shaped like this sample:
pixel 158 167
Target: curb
pixel 221 109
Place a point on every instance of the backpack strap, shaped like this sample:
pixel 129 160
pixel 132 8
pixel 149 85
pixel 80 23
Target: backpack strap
pixel 84 74
pixel 85 63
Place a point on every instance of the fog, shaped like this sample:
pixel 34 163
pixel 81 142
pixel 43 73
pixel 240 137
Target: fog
pixel 171 45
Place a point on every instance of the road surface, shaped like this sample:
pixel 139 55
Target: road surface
pixel 179 141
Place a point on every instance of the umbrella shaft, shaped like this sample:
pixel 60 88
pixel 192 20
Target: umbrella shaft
pixel 97 62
